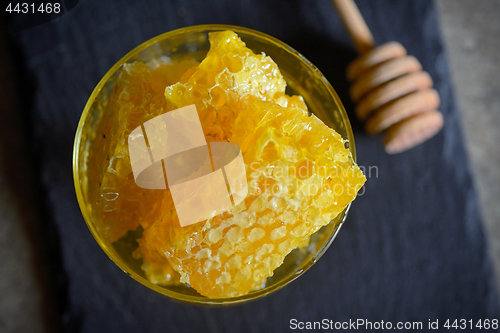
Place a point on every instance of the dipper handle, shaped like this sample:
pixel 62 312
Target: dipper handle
pixel 355 25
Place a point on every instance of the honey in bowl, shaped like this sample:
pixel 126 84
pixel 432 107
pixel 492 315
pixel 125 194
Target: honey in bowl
pixel 300 174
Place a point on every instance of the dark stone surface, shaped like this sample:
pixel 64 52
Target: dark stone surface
pixel 470 32
pixel 412 248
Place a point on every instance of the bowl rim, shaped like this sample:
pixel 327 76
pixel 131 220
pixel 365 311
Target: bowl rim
pixel 191 299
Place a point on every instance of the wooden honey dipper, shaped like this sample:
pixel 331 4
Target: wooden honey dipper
pixel 392 92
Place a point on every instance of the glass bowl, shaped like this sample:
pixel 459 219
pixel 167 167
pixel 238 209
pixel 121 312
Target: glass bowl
pixel 302 78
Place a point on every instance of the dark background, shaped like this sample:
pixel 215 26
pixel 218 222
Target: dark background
pixel 412 248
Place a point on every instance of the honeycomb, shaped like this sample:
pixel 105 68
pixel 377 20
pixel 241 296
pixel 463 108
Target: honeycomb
pixel 300 174
pixel 120 205
pixel 137 96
